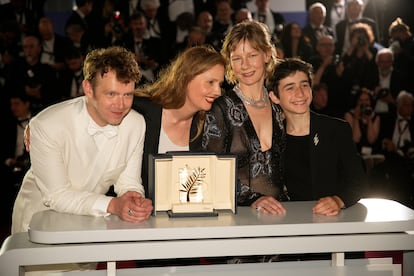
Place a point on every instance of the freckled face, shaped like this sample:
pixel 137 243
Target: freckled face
pixel 248 63
pixel 110 101
pixel 205 88
pixel 295 94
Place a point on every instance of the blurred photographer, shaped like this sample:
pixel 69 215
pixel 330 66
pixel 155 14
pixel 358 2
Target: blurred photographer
pixel 365 123
pixel 115 30
pixel 147 49
pixel 402 44
pixel 354 13
pixel 328 69
pixel 398 129
pixel 389 82
pixel 324 56
pixel 29 75
pixel 395 176
pixel 360 69
pixel 362 41
pixel 14 159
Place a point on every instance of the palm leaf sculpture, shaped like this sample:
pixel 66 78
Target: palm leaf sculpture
pixel 194 182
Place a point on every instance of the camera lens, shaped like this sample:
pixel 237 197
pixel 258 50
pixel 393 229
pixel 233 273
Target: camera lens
pixel 117 28
pixel 336 59
pixel 382 93
pixel 365 109
pixel 361 40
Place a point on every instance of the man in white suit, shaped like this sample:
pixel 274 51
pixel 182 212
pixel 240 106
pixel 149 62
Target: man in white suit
pixel 80 147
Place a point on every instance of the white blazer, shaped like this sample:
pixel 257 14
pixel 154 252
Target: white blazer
pixel 68 173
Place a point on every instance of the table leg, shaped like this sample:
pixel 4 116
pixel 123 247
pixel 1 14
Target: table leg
pixel 338 259
pixel 111 268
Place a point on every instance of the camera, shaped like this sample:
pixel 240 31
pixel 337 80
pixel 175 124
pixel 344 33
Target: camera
pixel 336 60
pixel 31 80
pixel 362 41
pixel 116 26
pixel 366 109
pixel 355 89
pixel 382 93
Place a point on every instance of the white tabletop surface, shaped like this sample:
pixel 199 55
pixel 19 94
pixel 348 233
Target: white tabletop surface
pixel 367 216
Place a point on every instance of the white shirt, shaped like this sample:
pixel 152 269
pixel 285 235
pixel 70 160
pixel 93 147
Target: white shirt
pixel 384 82
pixel 154 28
pixel 48 56
pixel 71 172
pixel 401 133
pixel 166 144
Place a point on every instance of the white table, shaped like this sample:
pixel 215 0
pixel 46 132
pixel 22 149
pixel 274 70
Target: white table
pixel 370 225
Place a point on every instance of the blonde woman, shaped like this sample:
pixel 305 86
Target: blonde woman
pixel 246 123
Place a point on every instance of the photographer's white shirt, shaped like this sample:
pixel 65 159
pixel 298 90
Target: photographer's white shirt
pixel 384 82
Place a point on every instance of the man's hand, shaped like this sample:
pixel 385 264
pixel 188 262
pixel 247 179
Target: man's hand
pixel 131 207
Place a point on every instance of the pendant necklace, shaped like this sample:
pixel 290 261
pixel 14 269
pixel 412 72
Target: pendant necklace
pixel 260 103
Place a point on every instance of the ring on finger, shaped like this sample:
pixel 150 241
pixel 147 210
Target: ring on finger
pixel 130 212
pixel 258 208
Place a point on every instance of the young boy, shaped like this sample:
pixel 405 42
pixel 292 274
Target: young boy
pixel 321 160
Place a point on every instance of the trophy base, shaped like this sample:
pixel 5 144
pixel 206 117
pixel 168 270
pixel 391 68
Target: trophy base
pixel 171 214
pixel 192 210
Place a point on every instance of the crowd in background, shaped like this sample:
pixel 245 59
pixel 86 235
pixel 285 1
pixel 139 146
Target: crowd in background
pixel 362 74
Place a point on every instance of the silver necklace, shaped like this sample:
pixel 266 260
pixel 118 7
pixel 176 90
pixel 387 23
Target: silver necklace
pixel 260 103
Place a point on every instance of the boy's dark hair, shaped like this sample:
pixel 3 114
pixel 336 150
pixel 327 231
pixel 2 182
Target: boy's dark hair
pixel 285 68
